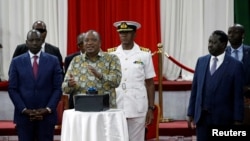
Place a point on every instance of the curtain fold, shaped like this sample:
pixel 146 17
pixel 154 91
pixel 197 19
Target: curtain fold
pixel 186 26
pixel 101 14
pixel 183 26
pixel 16 19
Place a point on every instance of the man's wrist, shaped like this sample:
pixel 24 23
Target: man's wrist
pixel 100 76
pixel 151 108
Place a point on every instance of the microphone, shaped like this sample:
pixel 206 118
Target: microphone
pixel 91 91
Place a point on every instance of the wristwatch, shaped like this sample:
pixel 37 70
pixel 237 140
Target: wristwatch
pixel 151 108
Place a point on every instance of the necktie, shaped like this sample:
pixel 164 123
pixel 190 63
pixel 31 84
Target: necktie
pixel 214 65
pixel 35 66
pixel 236 54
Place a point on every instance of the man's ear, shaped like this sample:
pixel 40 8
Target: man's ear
pixel 134 34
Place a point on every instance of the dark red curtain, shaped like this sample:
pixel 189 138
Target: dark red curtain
pixel 101 14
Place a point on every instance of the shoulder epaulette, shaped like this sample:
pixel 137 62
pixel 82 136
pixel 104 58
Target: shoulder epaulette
pixel 112 49
pixel 145 49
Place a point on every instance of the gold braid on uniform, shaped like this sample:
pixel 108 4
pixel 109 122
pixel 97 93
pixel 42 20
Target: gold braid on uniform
pixel 142 49
pixel 112 49
pixel 145 49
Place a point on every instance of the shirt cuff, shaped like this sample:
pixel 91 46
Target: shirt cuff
pixel 49 109
pixel 24 110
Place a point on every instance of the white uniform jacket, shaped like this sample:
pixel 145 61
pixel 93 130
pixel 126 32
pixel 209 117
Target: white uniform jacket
pixel 137 65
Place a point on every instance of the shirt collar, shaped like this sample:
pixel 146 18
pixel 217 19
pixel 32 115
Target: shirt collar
pixel 135 48
pixel 100 54
pixel 32 55
pixel 219 57
pixel 43 47
pixel 240 48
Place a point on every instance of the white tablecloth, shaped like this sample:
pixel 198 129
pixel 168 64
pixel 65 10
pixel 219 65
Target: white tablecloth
pixel 175 105
pixel 108 125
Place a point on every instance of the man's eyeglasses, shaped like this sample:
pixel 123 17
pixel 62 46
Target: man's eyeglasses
pixel 41 30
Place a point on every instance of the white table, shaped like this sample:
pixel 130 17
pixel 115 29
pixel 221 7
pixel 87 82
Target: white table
pixel 108 125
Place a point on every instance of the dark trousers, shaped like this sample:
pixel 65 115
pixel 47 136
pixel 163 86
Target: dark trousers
pixel 36 131
pixel 202 127
pixel 247 115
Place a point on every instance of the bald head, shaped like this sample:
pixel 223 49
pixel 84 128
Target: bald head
pixel 238 27
pixel 95 33
pixel 236 35
pixel 80 38
pixel 33 41
pixel 41 27
pixel 33 32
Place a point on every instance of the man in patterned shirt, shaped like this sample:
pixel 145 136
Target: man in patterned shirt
pixel 93 69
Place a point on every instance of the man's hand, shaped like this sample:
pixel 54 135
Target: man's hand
pixel 94 71
pixel 246 89
pixel 31 114
pixel 191 123
pixel 71 81
pixel 247 102
pixel 149 117
pixel 42 111
pixel 237 123
pixel 37 114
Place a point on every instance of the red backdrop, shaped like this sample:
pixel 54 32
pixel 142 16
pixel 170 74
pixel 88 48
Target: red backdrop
pixel 101 14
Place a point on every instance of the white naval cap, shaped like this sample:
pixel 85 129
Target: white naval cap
pixel 127 26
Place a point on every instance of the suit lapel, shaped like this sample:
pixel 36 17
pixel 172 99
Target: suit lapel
pixel 42 64
pixel 228 50
pixel 46 48
pixel 205 65
pixel 26 60
pixel 246 54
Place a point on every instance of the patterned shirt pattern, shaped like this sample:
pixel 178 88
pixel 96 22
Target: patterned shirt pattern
pixel 105 63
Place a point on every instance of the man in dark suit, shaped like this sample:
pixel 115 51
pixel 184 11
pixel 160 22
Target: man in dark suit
pixel 35 92
pixel 46 47
pixel 217 90
pixel 80 45
pixel 241 52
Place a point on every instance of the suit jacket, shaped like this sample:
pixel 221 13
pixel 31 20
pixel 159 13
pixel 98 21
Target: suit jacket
pixel 27 92
pixel 68 60
pixel 246 63
pixel 48 48
pixel 227 93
